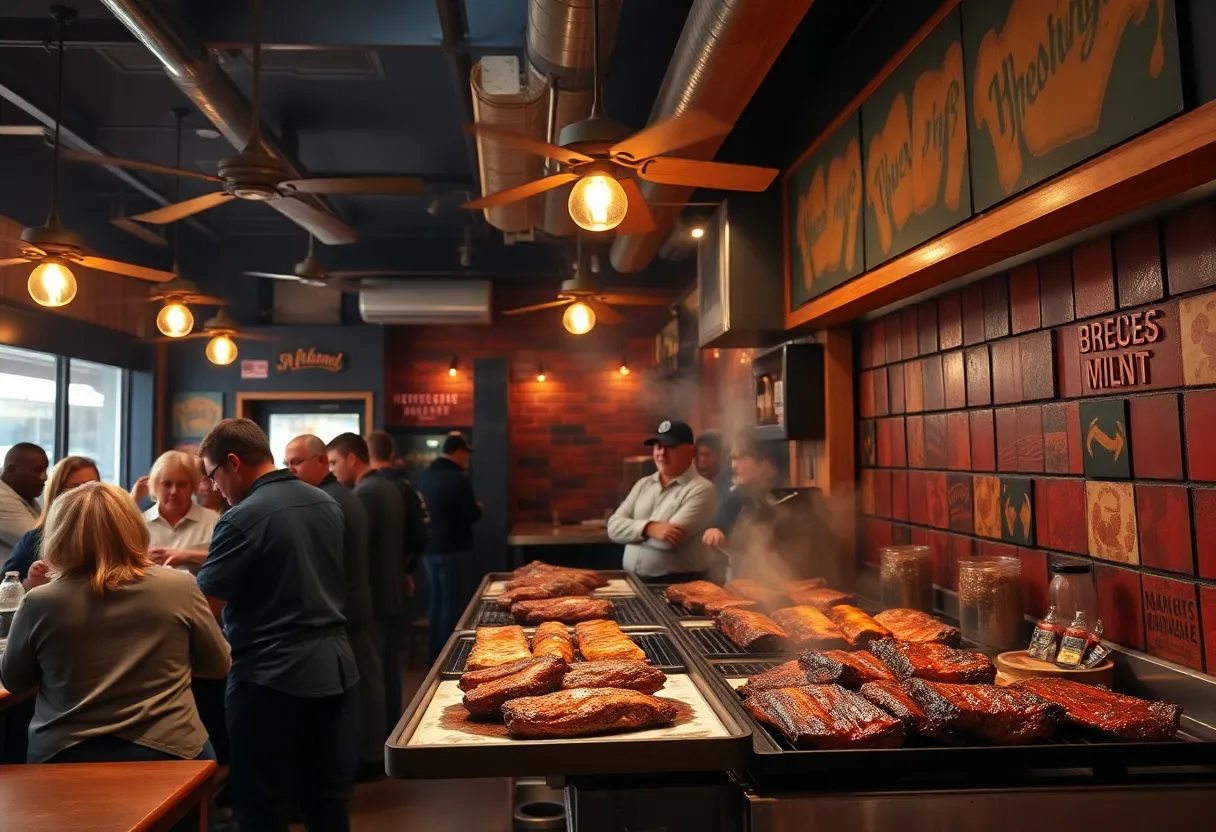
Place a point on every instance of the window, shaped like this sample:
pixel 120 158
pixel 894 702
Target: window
pixel 27 399
pixel 285 427
pixel 95 416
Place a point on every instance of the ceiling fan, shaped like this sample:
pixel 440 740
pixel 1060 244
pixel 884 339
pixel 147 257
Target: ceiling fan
pixel 603 158
pixel 312 272
pixel 52 246
pixel 223 332
pixel 253 174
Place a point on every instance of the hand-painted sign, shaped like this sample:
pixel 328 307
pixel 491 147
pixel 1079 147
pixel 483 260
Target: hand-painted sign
pixel 915 128
pixel 1105 445
pixel 1171 620
pixel 311 359
pixel 1111 521
pixel 195 414
pixel 823 216
pixel 1017 511
pixel 1198 316
pixel 1054 82
pixel 1141 348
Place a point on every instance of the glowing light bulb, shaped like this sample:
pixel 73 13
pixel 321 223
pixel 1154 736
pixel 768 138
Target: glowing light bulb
pixel 624 369
pixel 452 372
pixel 578 319
pixel 598 203
pixel 52 284
pixel 175 320
pixel 698 233
pixel 221 350
pixel 540 376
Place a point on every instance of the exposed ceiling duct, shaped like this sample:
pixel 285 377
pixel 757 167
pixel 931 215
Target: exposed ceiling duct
pixel 500 100
pixel 427 302
pixel 197 74
pixel 725 51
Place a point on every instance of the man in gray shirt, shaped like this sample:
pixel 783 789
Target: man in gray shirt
pixel 662 519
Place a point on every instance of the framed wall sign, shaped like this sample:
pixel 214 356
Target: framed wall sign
pixel 195 414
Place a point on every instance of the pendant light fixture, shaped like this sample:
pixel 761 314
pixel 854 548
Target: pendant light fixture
pixel 175 319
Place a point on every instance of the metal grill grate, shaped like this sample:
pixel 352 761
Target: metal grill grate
pixel 659 649
pixel 629 611
pixel 746 668
pixel 459 657
pixel 713 644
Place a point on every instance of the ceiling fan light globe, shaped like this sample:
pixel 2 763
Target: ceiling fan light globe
pixel 221 350
pixel 175 320
pixel 52 284
pixel 578 319
pixel 598 203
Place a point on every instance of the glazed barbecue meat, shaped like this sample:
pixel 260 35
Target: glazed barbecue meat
pixel 858 627
pixel 556 588
pixel 826 716
pixel 627 674
pixel 498 645
pixel 839 667
pixel 540 676
pixel 711 606
pixel 821 598
pixel 895 700
pixel 567 610
pixel 681 593
pixel 476 678
pixel 540 571
pixel 1114 715
pixel 809 628
pixel 914 625
pixel 787 675
pixel 553 639
pixel 703 597
pixel 583 711
pixel 802 585
pixel 935 662
pixel 751 589
pixel 602 640
pixel 752 630
pixel 1002 716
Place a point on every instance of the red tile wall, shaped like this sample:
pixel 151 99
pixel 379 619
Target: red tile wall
pixel 994 376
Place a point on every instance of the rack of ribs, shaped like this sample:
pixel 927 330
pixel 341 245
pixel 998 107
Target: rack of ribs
pixel 566 610
pixel 601 640
pixel 787 675
pixel 498 645
pixel 627 674
pixel 840 667
pixel 539 676
pixel 827 717
pixel 858 627
pixel 809 628
pixel 553 639
pixel 1002 716
pixel 556 588
pixel 694 596
pixel 934 662
pixel 583 711
pixel 821 598
pixel 892 698
pixel 802 585
pixel 914 625
pixel 752 630
pixel 1114 715
pixel 752 590
pixel 541 571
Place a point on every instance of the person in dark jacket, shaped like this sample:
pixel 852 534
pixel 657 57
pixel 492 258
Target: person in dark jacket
pixel 453 510
pixel 756 473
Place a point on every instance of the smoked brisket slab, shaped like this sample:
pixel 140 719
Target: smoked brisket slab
pixel 934 662
pixel 821 598
pixel 786 675
pixel 893 698
pixel 493 646
pixel 627 674
pixel 1002 716
pixel 827 717
pixel 566 610
pixel 809 628
pixel 601 640
pixel 703 597
pixel 1114 715
pixel 475 678
pixel 541 571
pixel 914 625
pixel 539 676
pixel 752 630
pixel 583 711
pixel 556 588
pixel 858 628
pixel 840 667
pixel 553 639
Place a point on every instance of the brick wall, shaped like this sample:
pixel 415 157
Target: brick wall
pixel 1080 385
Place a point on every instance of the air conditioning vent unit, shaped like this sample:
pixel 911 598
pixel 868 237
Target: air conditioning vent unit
pixel 426 302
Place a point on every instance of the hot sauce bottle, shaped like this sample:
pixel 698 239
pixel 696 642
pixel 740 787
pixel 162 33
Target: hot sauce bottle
pixel 1098 649
pixel 1046 638
pixel 1074 643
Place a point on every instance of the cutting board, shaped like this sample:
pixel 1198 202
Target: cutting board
pixel 1017 664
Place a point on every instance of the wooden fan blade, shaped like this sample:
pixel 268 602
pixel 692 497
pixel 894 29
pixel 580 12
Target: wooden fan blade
pixel 689 128
pixel 604 313
pixel 523 310
pixel 14 261
pixel 251 336
pixel 22 130
pixel 635 300
pixel 181 210
pixel 272 275
pixel 128 269
pixel 638 219
pixel 205 300
pixel 518 141
pixel 719 176
pixel 69 155
pixel 136 230
pixel 520 192
pixel 358 186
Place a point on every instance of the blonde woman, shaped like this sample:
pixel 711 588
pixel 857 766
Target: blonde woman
pixel 180 528
pixel 111 642
pixel 68 473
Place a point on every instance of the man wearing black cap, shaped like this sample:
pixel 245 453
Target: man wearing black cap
pixel 662 519
pixel 448 495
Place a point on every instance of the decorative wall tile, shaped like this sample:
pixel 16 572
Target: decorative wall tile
pixel 935 493
pixel 866 395
pixel 1111 521
pixel 895 389
pixel 909 330
pixel 1207 614
pixel 867 346
pixel 894 342
pixel 868 443
pixel 996 307
pixel 867 491
pixel 935 394
pixel 954 379
pixel 1197 326
pixel 1017 511
pixel 983 441
pixel 1190 247
pixel 899 445
pixel 1030 439
pixel 1106 442
pixel 915 426
pixel 939 545
pixel 1062 438
pixel 958 441
pixel 1163 520
pixel 1093 278
pixel 880 342
pixel 926 326
pixel 950 321
pixel 899 494
pixel 1006 371
pixel 882 493
pixel 1038 363
pixel 935 440
pixel 1171 620
pixel 1068 362
pixel 1200 412
pixel 987 492
pixel 901 535
pixel 1042 514
pixel 884 443
pixel 882 396
pixel 1120 605
pixel 1055 289
pixel 1157 437
pixel 1066 521
pixel 1006 439
pixel 959 503
pixel 973 314
pixel 1205 530
pixel 979 377
pixel 918 509
pixel 1034 581
pixel 1024 298
pixel 1138 265
pixel 914 390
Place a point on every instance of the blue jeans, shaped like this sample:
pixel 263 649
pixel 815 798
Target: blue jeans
pixel 111 749
pixel 446 595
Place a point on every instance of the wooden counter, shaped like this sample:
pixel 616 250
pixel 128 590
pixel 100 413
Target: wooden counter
pixel 583 546
pixel 105 797
pixel 546 534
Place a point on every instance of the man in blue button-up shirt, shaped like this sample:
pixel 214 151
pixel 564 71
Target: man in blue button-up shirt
pixel 276 563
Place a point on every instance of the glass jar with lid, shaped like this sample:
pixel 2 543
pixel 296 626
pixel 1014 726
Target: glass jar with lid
pixel 990 601
pixel 1072 589
pixel 906 578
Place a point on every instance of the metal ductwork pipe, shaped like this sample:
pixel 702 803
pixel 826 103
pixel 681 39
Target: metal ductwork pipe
pixel 499 101
pixel 725 51
pixel 197 74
